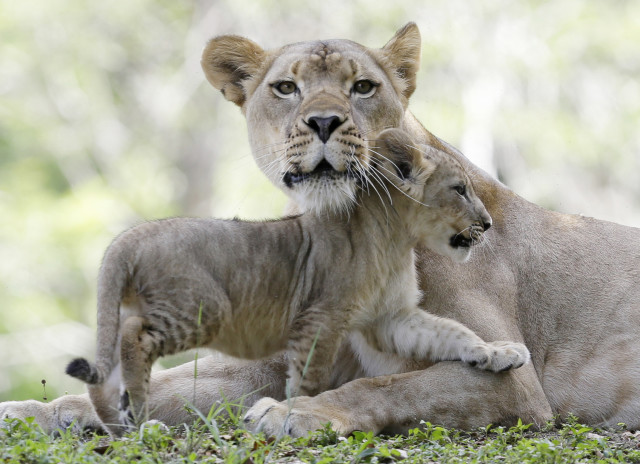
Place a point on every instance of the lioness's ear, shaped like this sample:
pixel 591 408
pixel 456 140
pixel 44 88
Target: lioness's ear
pixel 228 62
pixel 401 152
pixel 402 53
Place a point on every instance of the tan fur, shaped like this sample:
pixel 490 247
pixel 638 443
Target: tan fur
pixel 304 284
pixel 566 286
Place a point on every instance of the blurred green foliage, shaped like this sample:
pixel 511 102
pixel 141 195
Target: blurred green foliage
pixel 106 120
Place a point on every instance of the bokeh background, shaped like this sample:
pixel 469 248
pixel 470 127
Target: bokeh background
pixel 106 120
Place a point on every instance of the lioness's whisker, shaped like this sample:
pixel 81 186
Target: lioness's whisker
pixel 274 162
pixel 386 159
pixel 273 169
pixel 270 153
pixel 369 182
pixel 271 145
pixel 379 177
pixel 376 130
pixel 396 187
pixel 360 170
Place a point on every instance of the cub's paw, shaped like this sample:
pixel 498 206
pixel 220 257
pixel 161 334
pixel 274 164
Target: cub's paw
pixel 497 356
pixel 295 417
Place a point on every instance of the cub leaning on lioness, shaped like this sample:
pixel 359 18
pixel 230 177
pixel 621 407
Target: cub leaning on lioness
pixel 568 286
pixel 251 289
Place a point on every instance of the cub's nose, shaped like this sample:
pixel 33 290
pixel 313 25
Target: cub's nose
pixel 324 126
pixel 486 224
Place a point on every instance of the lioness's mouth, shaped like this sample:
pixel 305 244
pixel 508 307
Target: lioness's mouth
pixel 322 170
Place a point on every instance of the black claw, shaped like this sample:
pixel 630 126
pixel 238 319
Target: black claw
pixel 506 368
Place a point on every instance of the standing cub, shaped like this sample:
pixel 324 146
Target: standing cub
pixel 250 289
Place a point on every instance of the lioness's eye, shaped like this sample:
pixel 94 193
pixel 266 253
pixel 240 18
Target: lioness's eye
pixel 461 189
pixel 364 87
pixel 285 87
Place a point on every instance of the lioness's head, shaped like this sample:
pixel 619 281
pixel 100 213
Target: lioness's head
pixel 312 107
pixel 441 209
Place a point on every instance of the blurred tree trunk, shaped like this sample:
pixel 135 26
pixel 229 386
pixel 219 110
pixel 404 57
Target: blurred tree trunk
pixel 197 163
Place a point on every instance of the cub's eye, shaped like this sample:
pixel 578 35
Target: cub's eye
pixel 461 189
pixel 285 87
pixel 364 87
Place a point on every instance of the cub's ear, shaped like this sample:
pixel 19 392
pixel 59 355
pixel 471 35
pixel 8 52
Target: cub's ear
pixel 402 54
pixel 228 62
pixel 403 157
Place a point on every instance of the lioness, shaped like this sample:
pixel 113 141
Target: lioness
pixel 304 283
pixel 567 286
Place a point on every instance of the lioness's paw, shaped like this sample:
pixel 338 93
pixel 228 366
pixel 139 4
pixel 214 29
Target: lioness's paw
pixel 73 412
pixel 498 356
pixel 153 423
pixel 275 418
pixel 41 412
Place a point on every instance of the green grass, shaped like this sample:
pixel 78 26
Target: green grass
pixel 226 441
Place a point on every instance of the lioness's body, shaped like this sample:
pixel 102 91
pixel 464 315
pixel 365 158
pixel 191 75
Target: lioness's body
pixel 567 286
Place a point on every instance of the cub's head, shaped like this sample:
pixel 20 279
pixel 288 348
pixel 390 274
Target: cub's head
pixel 312 107
pixel 438 203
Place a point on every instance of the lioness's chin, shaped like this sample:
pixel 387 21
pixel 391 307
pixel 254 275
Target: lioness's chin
pixel 322 195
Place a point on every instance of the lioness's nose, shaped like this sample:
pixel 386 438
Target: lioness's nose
pixel 486 223
pixel 324 126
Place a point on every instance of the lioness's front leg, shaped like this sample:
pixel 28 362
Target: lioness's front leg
pixel 73 412
pixel 416 334
pixel 218 381
pixel 448 393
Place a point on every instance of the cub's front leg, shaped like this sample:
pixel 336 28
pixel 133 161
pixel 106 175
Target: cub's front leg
pixel 496 356
pixel 420 335
pixel 315 338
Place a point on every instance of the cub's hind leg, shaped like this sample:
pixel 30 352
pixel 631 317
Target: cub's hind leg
pixel 173 321
pixel 139 348
pixel 104 399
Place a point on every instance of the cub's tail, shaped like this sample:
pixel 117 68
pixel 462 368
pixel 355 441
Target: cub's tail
pixel 82 369
pixel 112 283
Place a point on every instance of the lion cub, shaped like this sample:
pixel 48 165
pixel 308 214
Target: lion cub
pixel 251 289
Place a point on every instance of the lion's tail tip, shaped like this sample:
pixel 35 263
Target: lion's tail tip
pixel 82 369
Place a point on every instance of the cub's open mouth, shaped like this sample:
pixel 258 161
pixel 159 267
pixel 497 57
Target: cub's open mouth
pixel 460 241
pixel 322 170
